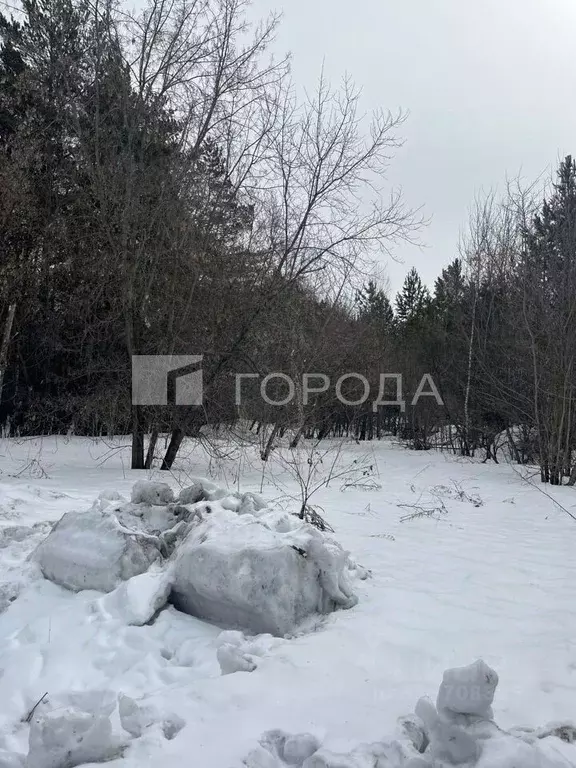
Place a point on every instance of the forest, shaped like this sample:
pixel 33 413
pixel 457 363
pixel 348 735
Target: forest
pixel 164 189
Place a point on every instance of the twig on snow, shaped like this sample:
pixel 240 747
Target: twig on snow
pixel 30 714
pixel 422 511
pixel 537 487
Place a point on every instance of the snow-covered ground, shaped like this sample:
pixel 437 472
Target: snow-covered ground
pixel 492 576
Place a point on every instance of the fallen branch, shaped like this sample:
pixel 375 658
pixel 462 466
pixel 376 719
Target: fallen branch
pixel 537 487
pixel 30 714
pixel 423 511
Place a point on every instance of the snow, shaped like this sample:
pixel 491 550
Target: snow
pixel 239 572
pixel 461 733
pixel 237 653
pixel 136 718
pixel 91 550
pixel 71 737
pixel 138 599
pixel 492 578
pixel 467 691
pixel 152 493
pixel 191 494
pixel 223 561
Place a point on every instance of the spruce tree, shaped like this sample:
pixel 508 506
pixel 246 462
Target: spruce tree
pixel 414 298
pixel 450 287
pixel 374 307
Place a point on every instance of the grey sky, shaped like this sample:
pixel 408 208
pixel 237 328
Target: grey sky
pixel 490 86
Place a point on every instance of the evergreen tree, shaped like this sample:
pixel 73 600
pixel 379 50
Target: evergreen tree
pixel 374 307
pixel 413 300
pixel 449 288
pixel 550 256
pixel 547 275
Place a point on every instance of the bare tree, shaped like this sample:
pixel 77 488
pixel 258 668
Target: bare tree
pixel 188 78
pixel 320 205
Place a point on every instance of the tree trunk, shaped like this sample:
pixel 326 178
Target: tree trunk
pixel 512 446
pixel 151 449
pixel 6 343
pixel 265 454
pixel 137 440
pixel 469 374
pixel 296 439
pixel 175 442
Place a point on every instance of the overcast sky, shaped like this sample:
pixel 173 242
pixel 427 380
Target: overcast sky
pixel 490 86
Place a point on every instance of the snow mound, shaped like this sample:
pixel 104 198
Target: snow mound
pixel 136 717
pixel 149 492
pixel 278 749
pixel 192 494
pixel 468 691
pixel 17 542
pixel 219 556
pixel 239 572
pixel 70 737
pixel 458 732
pixel 92 550
pixel 205 490
pixel 250 504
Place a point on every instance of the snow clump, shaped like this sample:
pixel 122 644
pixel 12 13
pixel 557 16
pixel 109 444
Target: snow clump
pixel 458 731
pixel 221 556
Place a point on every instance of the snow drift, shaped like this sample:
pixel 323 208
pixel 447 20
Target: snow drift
pixel 92 550
pixel 71 737
pixel 223 557
pixel 458 731
pixel 239 571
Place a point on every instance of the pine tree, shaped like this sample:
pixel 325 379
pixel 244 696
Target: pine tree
pixel 550 256
pixel 548 278
pixel 374 307
pixel 414 298
pixel 450 287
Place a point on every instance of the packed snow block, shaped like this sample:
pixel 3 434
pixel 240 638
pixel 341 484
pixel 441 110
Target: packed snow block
pixel 232 659
pixel 204 489
pixel 150 492
pixel 150 518
pixel 250 504
pixel 12 533
pixel 468 691
pixel 192 494
pixel 278 748
pixel 137 600
pixel 238 573
pixel 299 748
pixel 451 744
pixel 444 740
pixel 412 727
pixel 237 653
pixel 244 578
pixel 69 737
pixel 137 717
pixel 108 498
pixel 92 550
